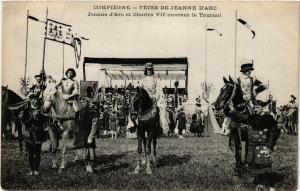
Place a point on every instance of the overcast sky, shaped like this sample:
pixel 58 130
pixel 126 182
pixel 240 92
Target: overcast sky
pixel 274 49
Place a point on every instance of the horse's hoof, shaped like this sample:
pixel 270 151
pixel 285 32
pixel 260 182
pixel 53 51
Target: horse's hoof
pixel 154 159
pixel 148 171
pixel 54 166
pixel 137 170
pixel 60 170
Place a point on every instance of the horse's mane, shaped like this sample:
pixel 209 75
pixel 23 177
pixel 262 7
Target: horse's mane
pixel 50 91
pixel 13 97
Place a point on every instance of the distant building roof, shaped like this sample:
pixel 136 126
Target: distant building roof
pixel 135 61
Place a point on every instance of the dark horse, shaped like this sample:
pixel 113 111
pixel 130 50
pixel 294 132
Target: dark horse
pixel 148 127
pixel 9 111
pixel 232 91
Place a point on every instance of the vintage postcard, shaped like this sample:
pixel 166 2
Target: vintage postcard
pixel 150 95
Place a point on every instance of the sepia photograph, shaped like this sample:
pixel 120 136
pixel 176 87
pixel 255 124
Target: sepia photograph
pixel 150 95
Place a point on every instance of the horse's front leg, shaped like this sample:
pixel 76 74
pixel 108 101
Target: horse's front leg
pixel 148 167
pixel 154 150
pixel 139 151
pixel 63 149
pixel 54 139
pixel 144 141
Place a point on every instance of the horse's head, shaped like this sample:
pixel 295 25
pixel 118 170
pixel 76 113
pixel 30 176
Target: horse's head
pixel 4 94
pixel 4 91
pixel 49 97
pixel 141 100
pixel 226 93
pixel 136 99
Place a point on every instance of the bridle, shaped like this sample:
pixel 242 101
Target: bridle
pixel 232 94
pixel 5 99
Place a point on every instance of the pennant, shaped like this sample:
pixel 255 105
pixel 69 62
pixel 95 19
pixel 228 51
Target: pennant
pixel 33 18
pixel 76 43
pixel 211 29
pixel 247 26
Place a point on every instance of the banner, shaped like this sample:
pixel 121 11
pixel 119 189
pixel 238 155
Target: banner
pixel 59 32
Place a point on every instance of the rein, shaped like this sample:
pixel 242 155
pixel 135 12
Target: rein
pixel 141 114
pixel 148 110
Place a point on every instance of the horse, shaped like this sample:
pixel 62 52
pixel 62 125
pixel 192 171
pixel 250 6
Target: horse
pixel 231 91
pixel 62 121
pixel 148 123
pixel 12 103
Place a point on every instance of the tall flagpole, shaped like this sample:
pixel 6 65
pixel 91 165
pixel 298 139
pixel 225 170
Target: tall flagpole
pixel 63 69
pixel 43 64
pixel 25 73
pixel 235 44
pixel 205 52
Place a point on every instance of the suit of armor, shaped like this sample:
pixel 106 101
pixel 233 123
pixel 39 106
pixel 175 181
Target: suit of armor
pixel 150 84
pixel 70 89
pixel 250 87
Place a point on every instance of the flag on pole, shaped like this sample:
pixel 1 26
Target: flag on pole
pixel 76 43
pixel 211 29
pixel 247 26
pixel 63 33
pixel 59 32
pixel 33 18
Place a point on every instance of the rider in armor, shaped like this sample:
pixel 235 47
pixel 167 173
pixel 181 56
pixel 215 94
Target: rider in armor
pixel 150 84
pixel 70 89
pixel 248 84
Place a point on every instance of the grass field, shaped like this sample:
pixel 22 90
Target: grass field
pixel 183 164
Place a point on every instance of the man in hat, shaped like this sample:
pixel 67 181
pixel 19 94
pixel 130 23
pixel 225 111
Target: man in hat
pixel 263 134
pixel 249 84
pixel 292 115
pixel 70 89
pixel 37 89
